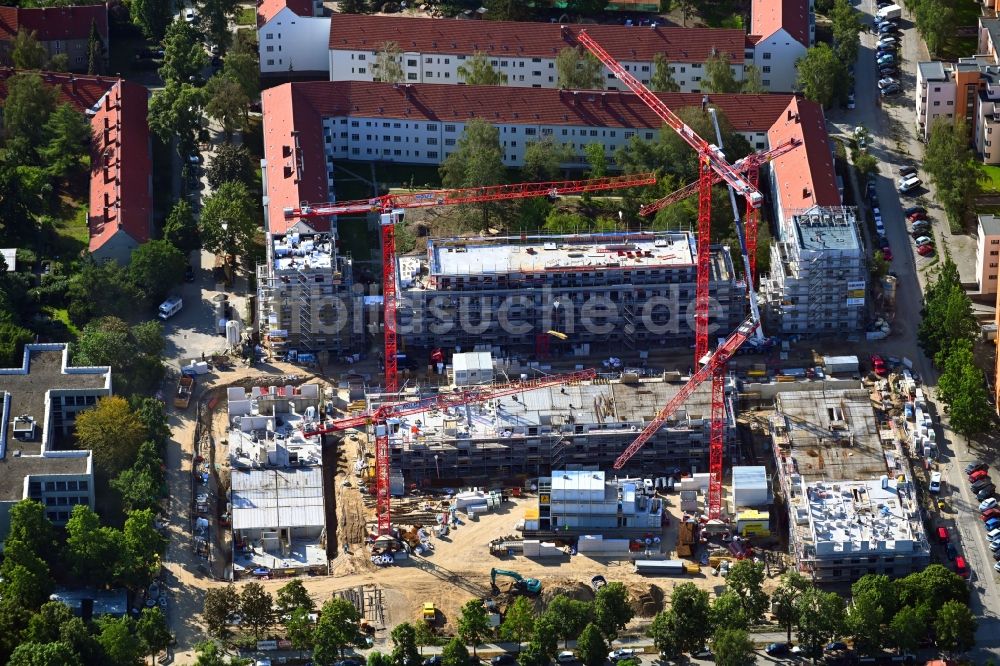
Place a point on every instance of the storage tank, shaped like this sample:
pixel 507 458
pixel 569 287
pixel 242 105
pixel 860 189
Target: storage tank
pixel 234 332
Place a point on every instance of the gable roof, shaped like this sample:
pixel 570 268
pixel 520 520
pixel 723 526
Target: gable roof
pixel 52 23
pixel 769 16
pixel 540 40
pixel 804 176
pixel 267 9
pixel 120 164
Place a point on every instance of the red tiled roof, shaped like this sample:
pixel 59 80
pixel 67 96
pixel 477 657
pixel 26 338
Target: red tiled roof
pixel 52 23
pixel 769 16
pixel 302 106
pixel 122 106
pixel 293 175
pixel 266 9
pixel 500 38
pixel 805 176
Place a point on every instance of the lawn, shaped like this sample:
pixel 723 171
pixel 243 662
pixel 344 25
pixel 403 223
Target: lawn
pixel 62 315
pixel 356 237
pixel 246 16
pixel 991 184
pixel 72 235
pixel 721 14
pixel 966 16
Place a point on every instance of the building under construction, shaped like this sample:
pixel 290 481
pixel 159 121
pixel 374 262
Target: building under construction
pixel 818 275
pixel 851 500
pixel 306 304
pixel 530 434
pixel 570 293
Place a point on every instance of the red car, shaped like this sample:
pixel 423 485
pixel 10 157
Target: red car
pixel 978 474
pixel 925 250
pixel 878 365
pixel 991 513
pixel 886 254
pixel 913 217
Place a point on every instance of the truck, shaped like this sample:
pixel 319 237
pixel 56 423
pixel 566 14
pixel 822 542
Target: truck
pixel 429 612
pixel 890 12
pixel 185 387
pixel 170 307
pixel 530 586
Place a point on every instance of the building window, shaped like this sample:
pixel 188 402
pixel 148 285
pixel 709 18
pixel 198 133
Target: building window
pixel 411 76
pixel 411 63
pixel 432 154
pixel 766 82
pixel 270 62
pixel 270 48
pixel 269 35
pixel 361 70
pixel 530 131
pixel 361 56
pixel 449 128
pixel 432 141
pixel 766 56
pixel 84 485
pixel 937 103
pixel 766 69
pixel 449 142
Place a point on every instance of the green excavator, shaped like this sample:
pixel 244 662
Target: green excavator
pixel 524 585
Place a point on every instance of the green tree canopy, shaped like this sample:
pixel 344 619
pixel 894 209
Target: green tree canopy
pixel 455 653
pixel 26 110
pixel 256 609
pixel 217 15
pixel 44 654
pixel 821 618
pixel 936 20
pixel 543 159
pixel 473 624
pixel 180 228
pixel 689 618
pixel 337 628
pixel 753 82
pixel 577 69
pixel 175 111
pixel 784 599
pixel 156 267
pixel 221 604
pixel 727 611
pixel 746 580
pixel 245 70
pixel 227 103
pixel 612 610
pixel 719 75
pixel 404 651
pixel 293 595
pixel 663 76
pixel 111 429
pixel 518 621
pixel 846 30
pixel 229 221
pixel 906 629
pixel 591 648
pixel 477 71
pixel 955 627
pixel 152 629
pixel 151 16
pixel 477 160
pixel 184 55
pixel 91 550
pixel 121 646
pixel 230 163
pixel 661 630
pixel 67 142
pixel 732 647
pixel 141 546
pixel 568 616
pixel 12 341
pixel 388 63
pixel 27 52
pixel 822 75
pixel 953 167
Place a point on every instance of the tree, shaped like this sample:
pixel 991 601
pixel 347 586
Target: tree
pixel 455 653
pixel 865 163
pixel 217 15
pixel 58 63
pixel 727 611
pixel 227 103
pixel 821 616
pixel 955 627
pixel 689 617
pixel 586 7
pixel 663 76
pixel 121 646
pixel 299 628
pixel 245 70
pixel 473 624
pixel 932 587
pixel 424 635
pixel 936 22
pixel 256 609
pixel 245 42
pixel 153 630
pixel 477 71
pixel 90 548
pixel 337 628
pixel 661 630
pixel 180 228
pixel 518 621
pixel 12 341
pixel 230 163
pixel 221 604
pixel 967 397
pixel 27 52
pixel 746 579
pixel 229 224
pixel 77 635
pixel 388 67
pixel 139 558
pixel 719 76
pixel 44 654
pixel 45 625
pixel 568 616
pixel 68 135
pixel 532 655
pixel 953 167
pixel 25 112
pixel 184 55
pixel 863 622
pixel 30 526
pixel 175 112
pixel 846 30
pixel 353 7
pixel 906 629
pixel 577 69
pixel 376 658
pixel 111 430
pixel 732 647
pixel 881 590
pixel 151 16
pixel 612 610
pixel 783 601
pixel 156 267
pixel 545 636
pixel 506 10
pixel 543 159
pixel 947 315
pixel 477 160
pixel 753 83
pixel 404 651
pixel 822 75
pixel 208 653
pixel 590 647
pixel 291 596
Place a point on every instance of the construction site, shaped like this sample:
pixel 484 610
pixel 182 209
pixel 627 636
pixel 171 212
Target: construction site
pixel 530 458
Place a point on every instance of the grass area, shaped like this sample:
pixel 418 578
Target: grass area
pixel 121 58
pixel 62 315
pixel 356 238
pixel 721 14
pixel 70 227
pixel 991 183
pixel 246 16
pixel 966 16
pixel 419 177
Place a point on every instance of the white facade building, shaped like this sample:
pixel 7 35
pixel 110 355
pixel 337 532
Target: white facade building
pixel 781 31
pixel 432 50
pixel 935 94
pixel 288 43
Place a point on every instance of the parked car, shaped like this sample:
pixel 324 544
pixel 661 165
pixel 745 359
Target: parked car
pixel 992 513
pixel 777 649
pixel 992 524
pixel 935 485
pixel 566 657
pixel 980 482
pixel 887 81
pixel 188 273
pixel 908 184
pixel 886 253
pixel 888 70
pixel 923 240
pixel 878 365
pixel 986 493
pixel 885 59
pixel 503 660
pixel 889 91
pixel 951 551
pixel 850 101
pixel 978 474
pixel 835 646
pixel 961 567
pixel 907 171
pixel 925 250
pixel 191 16
pixel 914 217
pixel 888 40
pixel 920 209
pixel 433 661
pixel 987 504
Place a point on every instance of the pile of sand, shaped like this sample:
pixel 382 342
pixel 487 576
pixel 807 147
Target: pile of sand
pixel 645 599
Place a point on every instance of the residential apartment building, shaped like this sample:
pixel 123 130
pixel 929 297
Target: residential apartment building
pixel 60 30
pixel 287 33
pixel 598 292
pixel 987 252
pixel 120 205
pixel 39 402
pixel 432 50
pixel 847 486
pixel 781 31
pixel 530 434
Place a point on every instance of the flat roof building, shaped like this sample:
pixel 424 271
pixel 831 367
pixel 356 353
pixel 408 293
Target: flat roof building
pixel 852 504
pixel 92 604
pixel 581 501
pixel 39 402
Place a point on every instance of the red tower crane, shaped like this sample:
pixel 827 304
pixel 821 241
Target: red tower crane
pixel 387 203
pixel 711 161
pixel 380 415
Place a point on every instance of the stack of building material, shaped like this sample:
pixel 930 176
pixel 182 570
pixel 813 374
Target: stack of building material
pixel 596 544
pixel 689 501
pixel 659 567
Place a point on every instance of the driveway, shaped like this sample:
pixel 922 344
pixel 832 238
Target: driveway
pixel 896 144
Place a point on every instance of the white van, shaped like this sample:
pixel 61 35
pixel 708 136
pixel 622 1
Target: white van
pixel 170 307
pixel 909 183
